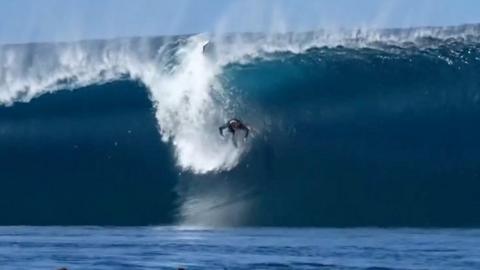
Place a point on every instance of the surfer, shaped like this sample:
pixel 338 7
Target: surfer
pixel 234 125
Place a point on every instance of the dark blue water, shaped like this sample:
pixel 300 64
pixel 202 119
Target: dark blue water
pixel 98 248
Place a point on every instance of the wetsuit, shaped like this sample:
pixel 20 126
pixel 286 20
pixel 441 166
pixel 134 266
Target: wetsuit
pixel 233 125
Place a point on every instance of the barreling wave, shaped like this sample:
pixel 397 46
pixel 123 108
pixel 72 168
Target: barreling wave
pixel 179 78
pixel 363 127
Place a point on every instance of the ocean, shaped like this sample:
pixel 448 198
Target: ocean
pixel 111 148
pixel 99 248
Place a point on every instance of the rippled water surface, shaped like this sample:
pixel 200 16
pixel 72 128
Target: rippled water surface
pixel 246 248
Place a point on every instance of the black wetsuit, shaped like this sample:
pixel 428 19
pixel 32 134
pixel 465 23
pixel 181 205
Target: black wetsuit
pixel 233 125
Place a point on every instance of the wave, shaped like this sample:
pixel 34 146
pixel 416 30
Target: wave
pixel 179 79
pixel 353 127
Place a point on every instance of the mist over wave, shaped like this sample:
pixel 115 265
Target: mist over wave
pixel 355 127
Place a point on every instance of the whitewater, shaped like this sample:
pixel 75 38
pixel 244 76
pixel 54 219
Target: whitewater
pixel 183 79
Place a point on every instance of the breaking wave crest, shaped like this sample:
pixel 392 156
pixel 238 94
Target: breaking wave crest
pixel 182 77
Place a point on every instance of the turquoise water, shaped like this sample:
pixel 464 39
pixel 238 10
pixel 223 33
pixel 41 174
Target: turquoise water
pixel 100 248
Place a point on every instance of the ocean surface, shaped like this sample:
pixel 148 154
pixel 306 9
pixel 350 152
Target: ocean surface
pixel 98 248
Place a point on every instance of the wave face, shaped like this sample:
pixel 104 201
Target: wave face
pixel 352 128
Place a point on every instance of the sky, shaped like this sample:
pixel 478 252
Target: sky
pixel 65 20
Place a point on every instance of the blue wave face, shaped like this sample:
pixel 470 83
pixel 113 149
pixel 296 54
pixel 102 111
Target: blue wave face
pixel 378 134
pixel 364 136
pixel 92 156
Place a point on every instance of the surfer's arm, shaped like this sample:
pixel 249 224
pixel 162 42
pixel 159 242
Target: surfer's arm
pixel 221 128
pixel 247 131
